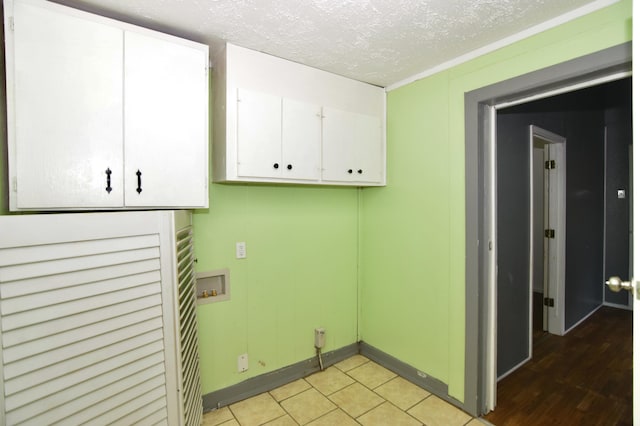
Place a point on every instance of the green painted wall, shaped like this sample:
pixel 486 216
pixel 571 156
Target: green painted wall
pixel 412 253
pixel 300 273
pixel 307 246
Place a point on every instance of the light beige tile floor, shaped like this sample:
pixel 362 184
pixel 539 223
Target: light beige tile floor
pixel 356 391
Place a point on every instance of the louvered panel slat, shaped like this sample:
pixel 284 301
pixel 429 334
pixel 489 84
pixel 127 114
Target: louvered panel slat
pixel 48 313
pixel 187 326
pixel 134 348
pixel 184 264
pixel 50 343
pixel 184 249
pixel 20 272
pixel 25 365
pixel 33 302
pixel 188 341
pixel 93 396
pixel 156 418
pixel 192 417
pixel 59 325
pixel 187 315
pixel 187 281
pixel 104 412
pixel 188 373
pixel 191 357
pixel 152 413
pixel 72 279
pixel 17 255
pixel 133 400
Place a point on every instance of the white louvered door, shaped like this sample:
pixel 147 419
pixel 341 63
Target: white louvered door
pixel 87 320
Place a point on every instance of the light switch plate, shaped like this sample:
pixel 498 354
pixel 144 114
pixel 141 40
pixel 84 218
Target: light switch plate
pixel 241 250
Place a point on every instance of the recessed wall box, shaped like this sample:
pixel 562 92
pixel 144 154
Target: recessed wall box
pixel 213 286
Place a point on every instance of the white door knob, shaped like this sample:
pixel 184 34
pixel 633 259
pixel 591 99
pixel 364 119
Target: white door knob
pixel 616 284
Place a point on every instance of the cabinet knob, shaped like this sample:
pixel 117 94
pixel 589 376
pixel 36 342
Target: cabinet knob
pixel 350 171
pixel 276 165
pixel 289 167
pixel 359 171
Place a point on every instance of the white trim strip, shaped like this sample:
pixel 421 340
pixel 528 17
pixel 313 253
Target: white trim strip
pixel 536 29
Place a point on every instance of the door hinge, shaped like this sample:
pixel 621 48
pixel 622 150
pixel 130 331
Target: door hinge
pixel 551 164
pixel 548 301
pixel 550 233
pixel 14 184
pixel 11 24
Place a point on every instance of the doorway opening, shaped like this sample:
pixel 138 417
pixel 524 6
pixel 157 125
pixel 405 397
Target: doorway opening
pixel 594 119
pixel 482 230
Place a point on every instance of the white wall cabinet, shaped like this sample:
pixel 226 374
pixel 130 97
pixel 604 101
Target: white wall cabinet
pixel 277 138
pixel 102 114
pixel 98 319
pixel 278 121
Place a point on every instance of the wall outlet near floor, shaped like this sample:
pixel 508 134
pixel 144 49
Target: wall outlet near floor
pixel 243 363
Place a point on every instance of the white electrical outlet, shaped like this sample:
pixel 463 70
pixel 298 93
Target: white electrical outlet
pixel 243 363
pixel 319 338
pixel 241 250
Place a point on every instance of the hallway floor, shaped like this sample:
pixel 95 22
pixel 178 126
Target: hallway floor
pixel 356 391
pixel 583 377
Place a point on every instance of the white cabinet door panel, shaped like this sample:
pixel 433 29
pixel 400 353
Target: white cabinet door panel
pixel 259 134
pixel 368 139
pixel 337 148
pixel 351 147
pixel 165 116
pixel 68 137
pixel 301 140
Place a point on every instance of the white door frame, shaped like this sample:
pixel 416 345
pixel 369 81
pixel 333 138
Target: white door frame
pixel 556 182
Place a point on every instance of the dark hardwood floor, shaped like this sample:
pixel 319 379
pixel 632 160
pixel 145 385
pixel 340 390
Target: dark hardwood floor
pixel 582 378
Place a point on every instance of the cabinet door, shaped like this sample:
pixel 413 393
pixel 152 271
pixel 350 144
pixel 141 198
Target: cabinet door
pixel 301 139
pixel 351 147
pixel 165 123
pixel 369 149
pixel 66 134
pixel 259 134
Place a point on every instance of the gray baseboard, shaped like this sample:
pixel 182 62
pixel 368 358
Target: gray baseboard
pixel 413 375
pixel 269 381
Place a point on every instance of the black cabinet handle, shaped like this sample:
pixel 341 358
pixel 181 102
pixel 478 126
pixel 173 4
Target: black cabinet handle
pixel 350 171
pixel 108 188
pixel 359 171
pixel 289 167
pixel 276 165
pixel 139 188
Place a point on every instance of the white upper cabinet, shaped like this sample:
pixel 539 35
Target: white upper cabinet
pixel 279 121
pixel 92 101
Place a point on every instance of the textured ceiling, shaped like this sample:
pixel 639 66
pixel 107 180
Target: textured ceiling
pixel 377 41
